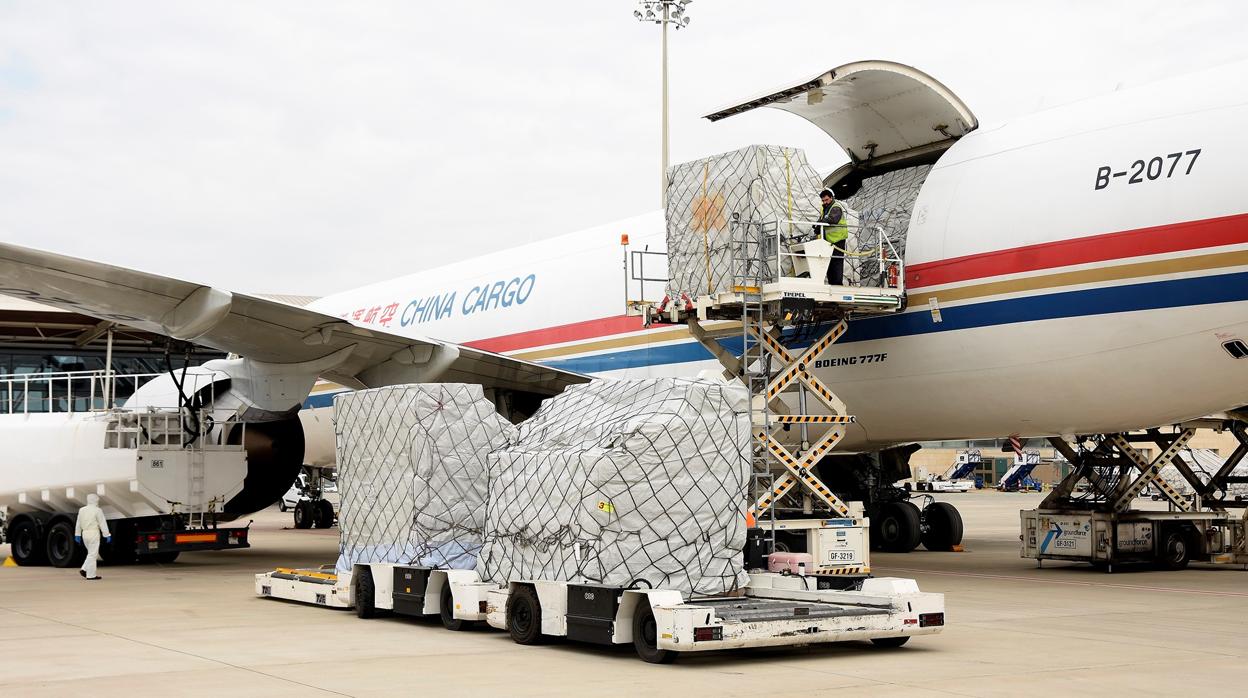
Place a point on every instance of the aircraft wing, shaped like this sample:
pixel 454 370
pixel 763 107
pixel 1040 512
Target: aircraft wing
pixel 260 329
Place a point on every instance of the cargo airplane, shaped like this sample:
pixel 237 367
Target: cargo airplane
pixel 1079 270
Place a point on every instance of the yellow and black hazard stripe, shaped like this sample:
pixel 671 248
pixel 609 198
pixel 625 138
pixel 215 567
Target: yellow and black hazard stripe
pixel 800 468
pixel 840 570
pixel 819 389
pixel 826 341
pixel 772 345
pixel 782 486
pixel 813 419
pixel 782 381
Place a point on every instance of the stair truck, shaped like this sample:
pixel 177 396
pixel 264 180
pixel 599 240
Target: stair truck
pixel 958 478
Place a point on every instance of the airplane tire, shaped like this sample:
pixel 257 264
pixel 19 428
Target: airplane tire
pixel 898 529
pixel 28 547
pixel 323 514
pixel 944 526
pixel 304 514
pixel 916 531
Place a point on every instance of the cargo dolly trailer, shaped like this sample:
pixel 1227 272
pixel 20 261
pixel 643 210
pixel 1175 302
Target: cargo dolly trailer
pixel 773 610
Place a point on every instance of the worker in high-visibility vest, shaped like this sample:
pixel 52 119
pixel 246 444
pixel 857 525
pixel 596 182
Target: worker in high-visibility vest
pixel 834 226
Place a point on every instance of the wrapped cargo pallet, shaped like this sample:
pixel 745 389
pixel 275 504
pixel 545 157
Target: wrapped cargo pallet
pixel 623 482
pixel 762 184
pixel 412 473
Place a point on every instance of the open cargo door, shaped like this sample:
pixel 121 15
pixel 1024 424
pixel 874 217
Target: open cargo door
pixel 882 114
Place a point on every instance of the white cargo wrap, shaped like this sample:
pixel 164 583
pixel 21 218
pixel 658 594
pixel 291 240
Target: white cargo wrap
pixel 617 482
pixel 766 184
pixel 412 473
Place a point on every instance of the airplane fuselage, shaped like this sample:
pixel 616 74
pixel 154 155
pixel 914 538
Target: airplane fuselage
pixel 1080 270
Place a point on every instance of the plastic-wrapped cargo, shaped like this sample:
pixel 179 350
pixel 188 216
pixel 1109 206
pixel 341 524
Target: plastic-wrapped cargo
pixel 1205 463
pixel 412 473
pixel 618 482
pixel 764 184
pixel 881 208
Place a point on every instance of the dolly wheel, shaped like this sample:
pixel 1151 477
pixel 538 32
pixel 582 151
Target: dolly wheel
pixel 446 609
pixel 365 594
pixel 889 641
pixel 646 635
pixel 524 616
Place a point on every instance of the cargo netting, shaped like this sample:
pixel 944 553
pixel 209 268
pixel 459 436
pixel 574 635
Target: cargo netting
pixel 764 185
pixel 880 210
pixel 412 473
pixel 1205 463
pixel 624 483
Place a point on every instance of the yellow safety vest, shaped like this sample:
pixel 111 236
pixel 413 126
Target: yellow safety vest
pixel 839 231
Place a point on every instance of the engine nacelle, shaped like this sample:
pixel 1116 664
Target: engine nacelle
pixel 265 398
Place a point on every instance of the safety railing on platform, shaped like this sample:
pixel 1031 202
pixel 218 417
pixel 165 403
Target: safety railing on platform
pixel 77 391
pixel 799 242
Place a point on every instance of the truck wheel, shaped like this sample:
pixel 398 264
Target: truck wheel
pixel 1176 552
pixel 889 641
pixel 281 506
pixel 27 545
pixel 303 514
pixel 899 527
pixel 165 558
pixel 944 526
pixel 365 594
pixel 446 609
pixel 62 550
pixel 646 635
pixel 524 616
pixel 323 514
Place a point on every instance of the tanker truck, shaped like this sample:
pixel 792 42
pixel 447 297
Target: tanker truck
pixel 185 455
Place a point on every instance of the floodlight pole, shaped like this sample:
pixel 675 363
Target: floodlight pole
pixel 664 12
pixel 663 174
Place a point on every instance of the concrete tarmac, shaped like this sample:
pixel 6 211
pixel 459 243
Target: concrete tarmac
pixel 195 628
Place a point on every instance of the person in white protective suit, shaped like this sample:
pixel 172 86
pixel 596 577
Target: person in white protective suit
pixel 91 526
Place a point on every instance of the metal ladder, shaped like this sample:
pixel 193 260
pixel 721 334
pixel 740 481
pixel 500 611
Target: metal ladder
pixel 769 370
pixel 754 364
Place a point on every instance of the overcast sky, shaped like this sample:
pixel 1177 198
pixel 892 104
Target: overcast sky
pixel 309 147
